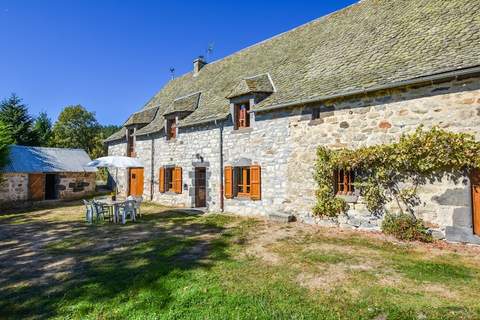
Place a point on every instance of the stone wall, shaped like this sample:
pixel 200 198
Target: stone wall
pixel 284 144
pixel 383 118
pixel 193 147
pixel 263 144
pixel 75 185
pixel 13 188
pixel 119 176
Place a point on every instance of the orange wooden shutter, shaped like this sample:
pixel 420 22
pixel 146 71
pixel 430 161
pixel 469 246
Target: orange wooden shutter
pixel 255 183
pixel 177 182
pixel 161 180
pixel 228 182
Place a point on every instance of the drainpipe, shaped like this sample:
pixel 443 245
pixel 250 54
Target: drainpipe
pixel 220 130
pixel 152 161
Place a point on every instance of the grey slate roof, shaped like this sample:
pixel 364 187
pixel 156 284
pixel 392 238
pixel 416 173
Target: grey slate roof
pixel 184 104
pixel 142 117
pixel 45 160
pixel 369 44
pixel 260 83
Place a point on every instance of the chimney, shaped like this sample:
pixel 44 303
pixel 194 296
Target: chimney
pixel 198 64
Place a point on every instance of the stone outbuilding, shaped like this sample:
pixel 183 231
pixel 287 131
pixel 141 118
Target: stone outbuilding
pixel 37 173
pixel 240 134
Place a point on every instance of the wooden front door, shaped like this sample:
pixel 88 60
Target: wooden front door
pixel 200 188
pixel 36 186
pixel 136 182
pixel 476 202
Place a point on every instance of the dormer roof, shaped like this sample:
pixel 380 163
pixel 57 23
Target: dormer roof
pixel 144 116
pixel 257 84
pixel 186 103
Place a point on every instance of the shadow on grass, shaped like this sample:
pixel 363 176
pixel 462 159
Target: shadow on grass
pixel 52 268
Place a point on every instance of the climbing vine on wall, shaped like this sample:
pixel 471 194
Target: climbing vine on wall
pixel 393 172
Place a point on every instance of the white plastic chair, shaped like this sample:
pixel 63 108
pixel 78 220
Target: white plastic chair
pixel 89 211
pixel 138 202
pixel 127 210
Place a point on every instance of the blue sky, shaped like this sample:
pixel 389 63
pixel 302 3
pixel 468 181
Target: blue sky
pixel 113 56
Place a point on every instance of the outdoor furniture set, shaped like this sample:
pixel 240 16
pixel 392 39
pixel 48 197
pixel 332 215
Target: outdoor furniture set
pixel 112 210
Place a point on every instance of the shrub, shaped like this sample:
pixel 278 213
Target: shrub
pixel 405 227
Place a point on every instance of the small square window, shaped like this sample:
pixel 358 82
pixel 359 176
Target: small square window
pixel 344 182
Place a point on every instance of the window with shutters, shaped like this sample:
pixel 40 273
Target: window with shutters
pixel 243 182
pixel 344 182
pixel 170 179
pixel 242 115
pixel 171 128
pixel 130 143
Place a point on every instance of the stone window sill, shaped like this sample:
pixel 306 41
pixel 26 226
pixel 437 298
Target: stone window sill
pixel 243 130
pixel 315 122
pixel 348 198
pixel 170 193
pixel 242 198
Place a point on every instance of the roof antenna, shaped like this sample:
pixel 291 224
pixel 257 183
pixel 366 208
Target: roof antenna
pixel 210 50
pixel 172 72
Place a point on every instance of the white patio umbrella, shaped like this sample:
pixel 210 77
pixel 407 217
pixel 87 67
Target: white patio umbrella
pixel 115 162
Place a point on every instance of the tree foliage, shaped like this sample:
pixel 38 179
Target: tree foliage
pixel 14 115
pixel 76 128
pixel 5 141
pixel 394 172
pixel 42 127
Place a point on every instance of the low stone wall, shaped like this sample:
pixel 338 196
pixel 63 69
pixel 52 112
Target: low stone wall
pixel 13 188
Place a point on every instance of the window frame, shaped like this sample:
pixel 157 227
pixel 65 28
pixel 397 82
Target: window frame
pixel 242 115
pixel 242 181
pixel 344 182
pixel 169 179
pixel 131 143
pixel 171 130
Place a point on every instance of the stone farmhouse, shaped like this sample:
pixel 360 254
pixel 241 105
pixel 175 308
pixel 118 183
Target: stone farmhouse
pixel 38 173
pixel 240 134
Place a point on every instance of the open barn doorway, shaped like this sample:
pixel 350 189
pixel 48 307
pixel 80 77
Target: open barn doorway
pixel 50 186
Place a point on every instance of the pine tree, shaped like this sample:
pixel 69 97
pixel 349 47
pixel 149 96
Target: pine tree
pixel 14 115
pixel 42 127
pixel 5 141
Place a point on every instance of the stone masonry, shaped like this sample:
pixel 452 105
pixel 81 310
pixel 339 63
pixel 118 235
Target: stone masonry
pixel 13 187
pixel 284 142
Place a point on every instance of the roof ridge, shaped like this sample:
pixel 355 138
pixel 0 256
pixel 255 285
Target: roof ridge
pixel 51 148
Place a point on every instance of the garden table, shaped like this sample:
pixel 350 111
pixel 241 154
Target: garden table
pixel 114 204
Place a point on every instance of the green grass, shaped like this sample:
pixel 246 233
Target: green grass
pixel 176 265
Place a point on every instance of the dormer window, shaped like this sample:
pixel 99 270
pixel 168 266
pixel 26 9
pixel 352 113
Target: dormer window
pixel 171 128
pixel 242 115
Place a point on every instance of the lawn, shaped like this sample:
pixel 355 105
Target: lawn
pixel 177 264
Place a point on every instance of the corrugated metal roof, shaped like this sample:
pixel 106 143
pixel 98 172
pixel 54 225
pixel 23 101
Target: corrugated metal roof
pixel 38 159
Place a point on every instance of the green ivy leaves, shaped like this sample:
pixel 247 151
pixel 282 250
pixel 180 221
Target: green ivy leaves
pixel 393 172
